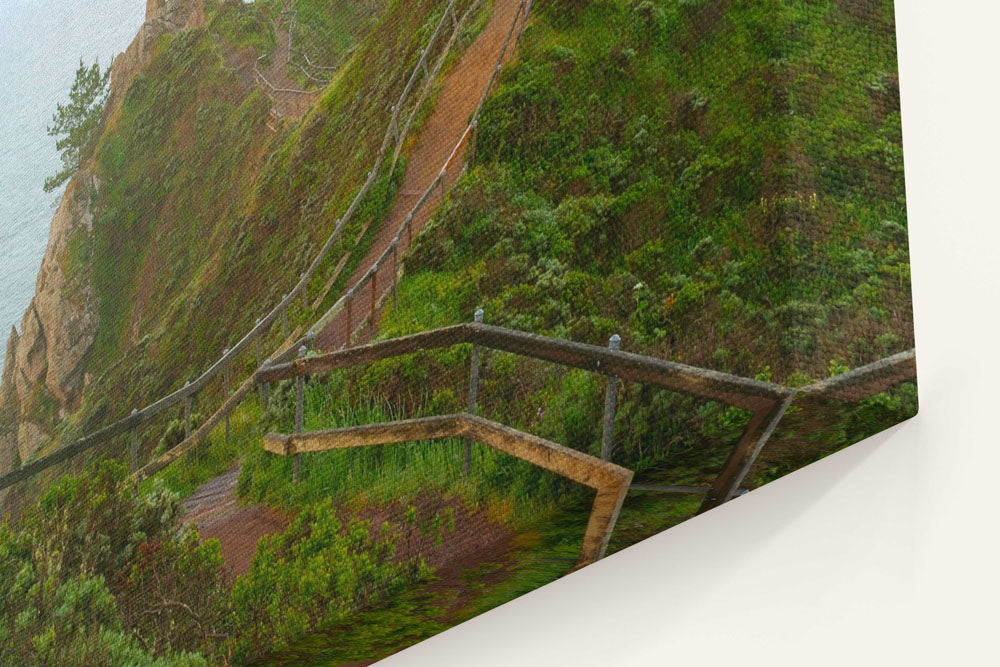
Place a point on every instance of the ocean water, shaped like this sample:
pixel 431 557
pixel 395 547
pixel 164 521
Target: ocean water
pixel 41 43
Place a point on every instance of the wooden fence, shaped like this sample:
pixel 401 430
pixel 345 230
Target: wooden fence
pixel 765 401
pixel 610 481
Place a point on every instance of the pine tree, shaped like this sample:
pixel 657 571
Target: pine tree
pixel 77 120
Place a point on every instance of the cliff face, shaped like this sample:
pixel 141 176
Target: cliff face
pixel 44 371
pixel 162 17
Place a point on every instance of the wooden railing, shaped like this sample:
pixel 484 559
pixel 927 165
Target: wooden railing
pixel 767 402
pixel 610 481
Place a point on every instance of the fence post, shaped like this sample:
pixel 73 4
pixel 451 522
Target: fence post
pixel 257 340
pixel 395 124
pixel 284 320
pixel 473 395
pixel 300 384
pixel 524 20
pixel 134 445
pixel 610 399
pixel 265 389
pixel 229 388
pixel 374 289
pixel 444 187
pixel 347 334
pixel 305 296
pixel 395 269
pixel 187 412
pixel 409 230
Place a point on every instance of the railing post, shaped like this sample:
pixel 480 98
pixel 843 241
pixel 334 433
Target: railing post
pixel 187 412
pixel 409 230
pixel 395 125
pixel 347 306
pixel 444 187
pixel 305 297
pixel 284 320
pixel 300 384
pixel 227 379
pixel 134 445
pixel 610 399
pixel 373 290
pixel 395 269
pixel 257 340
pixel 473 395
pixel 265 389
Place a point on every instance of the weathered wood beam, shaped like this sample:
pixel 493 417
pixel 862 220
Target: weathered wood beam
pixel 364 354
pixel 759 430
pixel 868 380
pixel 410 430
pixel 733 390
pixel 609 480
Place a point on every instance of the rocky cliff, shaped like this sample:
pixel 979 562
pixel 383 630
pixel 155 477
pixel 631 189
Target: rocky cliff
pixel 44 370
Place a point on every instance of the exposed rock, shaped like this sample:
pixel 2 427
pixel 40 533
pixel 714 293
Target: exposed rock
pixel 65 304
pixel 30 437
pixel 29 356
pixel 48 358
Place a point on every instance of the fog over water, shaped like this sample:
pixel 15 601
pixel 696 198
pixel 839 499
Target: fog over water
pixel 41 43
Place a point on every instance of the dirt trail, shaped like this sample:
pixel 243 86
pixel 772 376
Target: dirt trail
pixel 214 506
pixel 286 104
pixel 215 510
pixel 460 93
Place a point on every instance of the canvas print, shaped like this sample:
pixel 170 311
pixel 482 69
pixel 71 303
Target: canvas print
pixel 336 323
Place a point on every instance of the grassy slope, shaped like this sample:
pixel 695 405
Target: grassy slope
pixel 756 201
pixel 702 187
pixel 744 213
pixel 720 190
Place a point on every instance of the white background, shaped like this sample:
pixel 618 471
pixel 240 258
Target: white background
pixel 886 553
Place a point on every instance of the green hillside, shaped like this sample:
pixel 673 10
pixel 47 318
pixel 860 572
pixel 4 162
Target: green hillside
pixel 718 181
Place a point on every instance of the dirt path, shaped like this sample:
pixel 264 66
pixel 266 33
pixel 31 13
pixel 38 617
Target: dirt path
pixel 421 611
pixel 286 104
pixel 457 100
pixel 214 508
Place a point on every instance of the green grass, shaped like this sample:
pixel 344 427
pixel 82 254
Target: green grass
pixel 540 555
pixel 510 489
pixel 741 213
